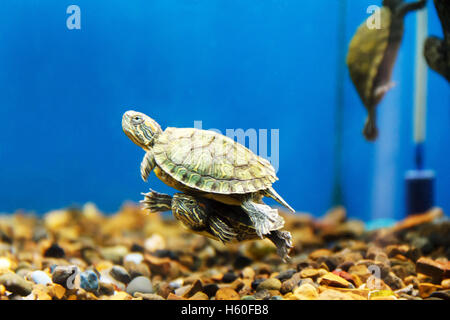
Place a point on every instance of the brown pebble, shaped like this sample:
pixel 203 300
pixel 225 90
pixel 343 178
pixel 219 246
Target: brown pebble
pixel 227 294
pixel 291 284
pixel 425 289
pixel 445 284
pixel 148 296
pixel 172 296
pixel 316 254
pixel 270 284
pixel 248 273
pixel 199 296
pixel 332 280
pixel 436 270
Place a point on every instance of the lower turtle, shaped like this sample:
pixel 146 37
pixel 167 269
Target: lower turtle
pixel 215 220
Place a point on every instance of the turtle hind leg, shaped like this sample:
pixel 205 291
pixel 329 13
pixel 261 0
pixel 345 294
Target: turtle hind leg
pixel 220 230
pixel 157 202
pixel 283 242
pixel 264 218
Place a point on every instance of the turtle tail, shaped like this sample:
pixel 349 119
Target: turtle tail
pixel 270 192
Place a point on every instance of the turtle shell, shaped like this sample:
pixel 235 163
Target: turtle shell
pixel 210 162
pixel 365 56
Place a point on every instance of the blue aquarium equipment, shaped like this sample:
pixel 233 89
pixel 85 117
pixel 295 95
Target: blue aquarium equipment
pixel 420 182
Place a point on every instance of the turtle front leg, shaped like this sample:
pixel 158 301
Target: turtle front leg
pixel 264 218
pixel 220 230
pixel 157 202
pixel 147 165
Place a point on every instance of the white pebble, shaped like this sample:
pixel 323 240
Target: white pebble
pixel 40 277
pixel 155 242
pixel 133 257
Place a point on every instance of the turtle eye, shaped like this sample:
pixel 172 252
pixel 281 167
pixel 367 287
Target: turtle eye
pixel 137 119
pixel 191 202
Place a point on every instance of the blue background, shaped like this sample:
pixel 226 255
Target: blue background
pixel 269 64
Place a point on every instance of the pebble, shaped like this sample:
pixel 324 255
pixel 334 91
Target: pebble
pixel 436 270
pixel 426 289
pixel 5 263
pixel 229 277
pixel 120 274
pixel 114 254
pixel 248 273
pixel 199 296
pixel 106 289
pixel 310 273
pixel 285 275
pixel 290 284
pixel 256 283
pixel 332 280
pixel 195 287
pixel 40 277
pixel 269 284
pixel 64 275
pixel 445 284
pixel 242 261
pixel 262 294
pixel 16 284
pixel 338 295
pixel 148 296
pixel 176 283
pixel 227 294
pixel 136 270
pixel 54 251
pixel 210 289
pixel 58 291
pixel 89 281
pixel 306 292
pixel 393 281
pixel 139 284
pixel 136 258
pixel 155 242
pixel 443 294
pixel 248 297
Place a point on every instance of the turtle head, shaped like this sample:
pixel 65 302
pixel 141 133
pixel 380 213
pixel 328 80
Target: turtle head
pixel 140 128
pixel 185 205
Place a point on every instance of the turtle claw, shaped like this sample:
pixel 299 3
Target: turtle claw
pixel 283 242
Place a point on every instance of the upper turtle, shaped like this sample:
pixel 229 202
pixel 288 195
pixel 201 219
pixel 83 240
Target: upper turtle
pixel 200 159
